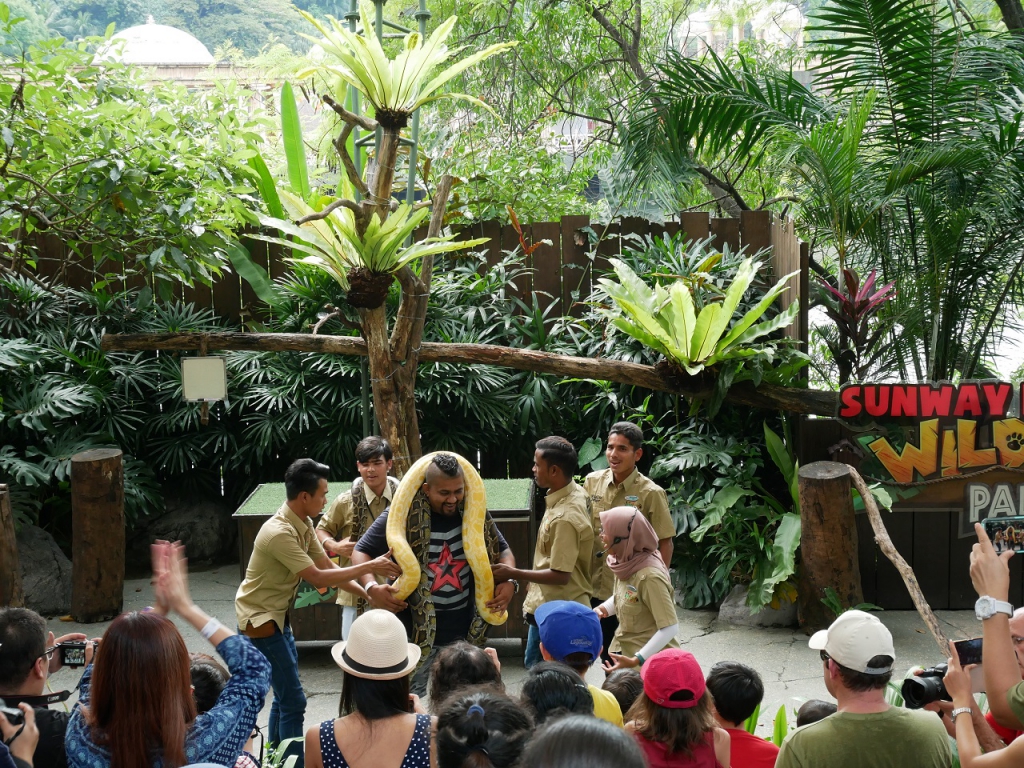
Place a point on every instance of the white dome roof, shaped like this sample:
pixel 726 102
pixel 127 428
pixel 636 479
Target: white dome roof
pixel 152 43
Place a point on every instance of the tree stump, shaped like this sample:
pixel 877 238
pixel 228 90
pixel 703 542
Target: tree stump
pixel 828 542
pixel 11 593
pixel 98 539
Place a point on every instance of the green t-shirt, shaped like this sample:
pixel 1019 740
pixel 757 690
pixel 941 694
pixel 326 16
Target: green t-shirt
pixel 1015 698
pixel 896 738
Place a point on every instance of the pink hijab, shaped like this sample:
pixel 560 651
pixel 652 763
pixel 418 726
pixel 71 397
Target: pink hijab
pixel 638 545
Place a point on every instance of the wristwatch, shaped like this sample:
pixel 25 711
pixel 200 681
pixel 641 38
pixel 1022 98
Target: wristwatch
pixel 987 607
pixel 959 711
pixel 515 585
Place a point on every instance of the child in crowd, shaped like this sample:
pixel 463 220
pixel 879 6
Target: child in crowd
pixel 642 596
pixel 672 719
pixel 552 689
pixel 376 727
pixel 578 741
pixel 208 680
pixel 461 665
pixel 481 729
pixel 814 710
pixel 571 633
pixel 625 685
pixel 737 691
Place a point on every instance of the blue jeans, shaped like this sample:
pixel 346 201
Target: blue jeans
pixel 532 648
pixel 289 705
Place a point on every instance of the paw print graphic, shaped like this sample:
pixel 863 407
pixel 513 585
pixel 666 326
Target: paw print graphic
pixel 1015 441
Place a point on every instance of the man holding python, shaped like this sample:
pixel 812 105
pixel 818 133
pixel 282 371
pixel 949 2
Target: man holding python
pixel 445 542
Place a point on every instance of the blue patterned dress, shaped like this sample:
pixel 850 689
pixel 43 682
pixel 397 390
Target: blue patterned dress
pixel 216 736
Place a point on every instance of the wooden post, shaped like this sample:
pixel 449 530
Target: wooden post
pixel 97 522
pixel 11 593
pixel 828 542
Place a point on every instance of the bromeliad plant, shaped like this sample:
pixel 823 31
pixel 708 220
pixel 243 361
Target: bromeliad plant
pixel 667 321
pixel 334 245
pixel 360 242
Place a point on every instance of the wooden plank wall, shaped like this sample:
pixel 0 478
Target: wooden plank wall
pixel 562 271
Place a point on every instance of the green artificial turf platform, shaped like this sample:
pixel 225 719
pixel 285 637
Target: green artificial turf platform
pixel 501 494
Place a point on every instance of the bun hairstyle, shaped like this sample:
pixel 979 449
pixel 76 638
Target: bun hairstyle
pixel 481 729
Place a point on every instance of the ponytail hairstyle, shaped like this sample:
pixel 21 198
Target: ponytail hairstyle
pixel 481 729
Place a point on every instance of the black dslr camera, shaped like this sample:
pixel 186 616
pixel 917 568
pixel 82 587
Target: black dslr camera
pixel 14 715
pixel 926 687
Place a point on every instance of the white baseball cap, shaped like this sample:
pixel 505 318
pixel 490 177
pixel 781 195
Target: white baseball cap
pixel 853 640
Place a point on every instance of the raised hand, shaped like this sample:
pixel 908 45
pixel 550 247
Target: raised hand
pixel 990 572
pixel 384 566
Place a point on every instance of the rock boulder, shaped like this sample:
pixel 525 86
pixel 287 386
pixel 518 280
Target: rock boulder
pixel 45 572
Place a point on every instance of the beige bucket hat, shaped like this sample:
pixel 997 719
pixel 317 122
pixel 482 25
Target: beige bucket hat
pixel 377 648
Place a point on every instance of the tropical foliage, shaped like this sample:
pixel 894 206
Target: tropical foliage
pixel 902 156
pixel 141 179
pixel 667 321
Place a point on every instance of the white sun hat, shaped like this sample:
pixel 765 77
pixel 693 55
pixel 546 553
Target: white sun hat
pixel 853 640
pixel 377 648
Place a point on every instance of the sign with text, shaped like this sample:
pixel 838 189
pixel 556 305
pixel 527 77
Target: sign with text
pixel 961 428
pixel 982 501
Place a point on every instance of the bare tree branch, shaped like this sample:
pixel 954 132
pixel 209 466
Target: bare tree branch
pixel 341 202
pixel 366 123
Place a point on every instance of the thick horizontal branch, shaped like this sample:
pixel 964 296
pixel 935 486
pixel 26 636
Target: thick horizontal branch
pixel 633 374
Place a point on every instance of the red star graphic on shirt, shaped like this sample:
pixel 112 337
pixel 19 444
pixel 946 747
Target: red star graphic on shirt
pixel 446 571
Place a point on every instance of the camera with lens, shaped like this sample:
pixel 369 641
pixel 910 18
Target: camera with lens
pixel 925 687
pixel 14 716
pixel 72 653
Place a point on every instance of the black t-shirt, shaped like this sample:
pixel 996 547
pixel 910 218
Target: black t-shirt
pixel 451 579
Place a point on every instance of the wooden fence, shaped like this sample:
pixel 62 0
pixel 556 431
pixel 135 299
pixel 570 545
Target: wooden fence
pixel 562 271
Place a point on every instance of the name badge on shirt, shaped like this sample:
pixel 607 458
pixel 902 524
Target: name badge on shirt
pixel 633 500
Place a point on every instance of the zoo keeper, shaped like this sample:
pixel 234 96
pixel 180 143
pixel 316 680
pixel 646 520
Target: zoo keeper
pixel 622 485
pixel 351 514
pixel 285 552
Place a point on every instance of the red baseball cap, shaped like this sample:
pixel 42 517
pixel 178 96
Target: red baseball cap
pixel 673 672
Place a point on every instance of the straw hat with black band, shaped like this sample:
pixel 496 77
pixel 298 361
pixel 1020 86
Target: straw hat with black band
pixel 377 648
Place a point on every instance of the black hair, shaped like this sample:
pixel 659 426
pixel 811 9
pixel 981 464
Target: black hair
pixel 481 729
pixel 374 699
pixel 303 476
pixel 458 666
pixel 814 710
pixel 22 642
pixel 625 685
pixel 559 452
pixel 373 447
pixel 861 681
pixel 208 680
pixel 630 431
pixel 552 689
pixel 447 464
pixel 580 661
pixel 737 690
pixel 578 741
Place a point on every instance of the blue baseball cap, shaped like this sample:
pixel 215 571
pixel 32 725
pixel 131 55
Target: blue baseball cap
pixel 566 627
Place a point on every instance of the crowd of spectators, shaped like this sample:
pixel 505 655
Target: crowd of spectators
pixel 143 700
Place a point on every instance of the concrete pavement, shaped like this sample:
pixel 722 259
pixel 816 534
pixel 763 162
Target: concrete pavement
pixel 791 671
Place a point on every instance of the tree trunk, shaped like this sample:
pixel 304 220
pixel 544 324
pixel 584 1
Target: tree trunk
pixel 384 383
pixel 10 566
pixel 384 172
pixel 97 524
pixel 1013 15
pixel 828 542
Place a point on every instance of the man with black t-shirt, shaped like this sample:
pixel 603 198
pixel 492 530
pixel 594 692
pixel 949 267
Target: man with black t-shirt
pixel 28 655
pixel 442 609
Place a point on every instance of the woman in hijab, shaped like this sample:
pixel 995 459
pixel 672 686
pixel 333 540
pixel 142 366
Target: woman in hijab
pixel 642 598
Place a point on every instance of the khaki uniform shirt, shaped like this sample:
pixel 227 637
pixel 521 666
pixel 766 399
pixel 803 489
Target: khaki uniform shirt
pixel 635 491
pixel 284 546
pixel 643 605
pixel 339 521
pixel 565 542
